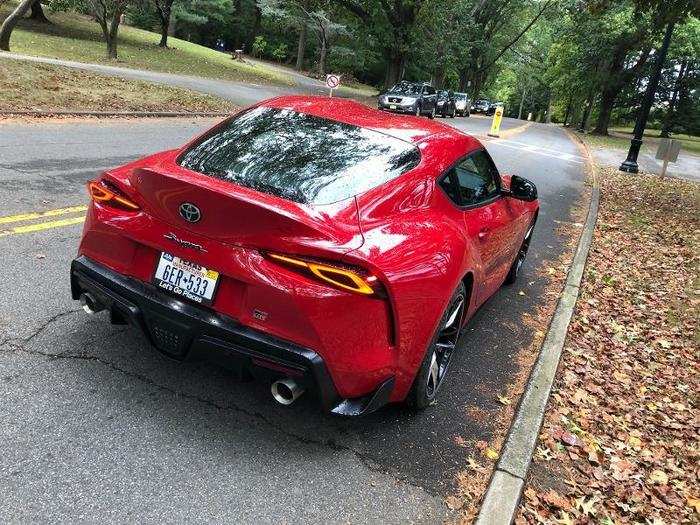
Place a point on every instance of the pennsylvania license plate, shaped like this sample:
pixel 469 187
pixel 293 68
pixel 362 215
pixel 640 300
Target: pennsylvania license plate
pixel 186 279
pixel 392 106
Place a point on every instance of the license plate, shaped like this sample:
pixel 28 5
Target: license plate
pixel 186 279
pixel 392 106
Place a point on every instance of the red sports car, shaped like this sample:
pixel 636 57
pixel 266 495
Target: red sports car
pixel 313 242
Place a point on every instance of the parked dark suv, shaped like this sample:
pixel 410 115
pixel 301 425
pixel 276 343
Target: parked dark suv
pixel 446 103
pixel 409 97
pixel 481 106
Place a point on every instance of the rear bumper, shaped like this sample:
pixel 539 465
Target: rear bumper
pixel 186 332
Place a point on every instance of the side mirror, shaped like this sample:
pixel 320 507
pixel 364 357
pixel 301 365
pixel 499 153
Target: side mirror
pixel 522 189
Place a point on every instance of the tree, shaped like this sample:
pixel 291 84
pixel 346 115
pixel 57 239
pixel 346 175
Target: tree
pixel 107 13
pixel 164 10
pixel 11 21
pixel 395 22
pixel 37 13
pixel 307 14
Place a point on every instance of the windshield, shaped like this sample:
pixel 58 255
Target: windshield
pixel 299 157
pixel 460 96
pixel 406 89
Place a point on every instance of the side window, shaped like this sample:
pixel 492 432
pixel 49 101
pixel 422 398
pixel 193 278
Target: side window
pixel 448 184
pixel 476 179
pixel 431 90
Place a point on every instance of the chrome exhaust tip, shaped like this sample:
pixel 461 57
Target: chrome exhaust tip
pixel 286 391
pixel 90 304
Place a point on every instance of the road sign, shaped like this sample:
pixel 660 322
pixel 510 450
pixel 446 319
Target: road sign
pixel 332 81
pixel 496 123
pixel 668 152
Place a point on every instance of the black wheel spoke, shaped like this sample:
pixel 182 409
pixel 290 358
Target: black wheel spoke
pixel 445 346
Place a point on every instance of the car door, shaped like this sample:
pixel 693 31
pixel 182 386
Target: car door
pixel 488 218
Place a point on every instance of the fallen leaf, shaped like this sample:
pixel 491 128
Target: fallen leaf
pixel 491 454
pixel 658 477
pixel 503 400
pixel 693 503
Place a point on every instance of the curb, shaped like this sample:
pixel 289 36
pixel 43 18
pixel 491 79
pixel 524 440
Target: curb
pixel 500 503
pixel 69 113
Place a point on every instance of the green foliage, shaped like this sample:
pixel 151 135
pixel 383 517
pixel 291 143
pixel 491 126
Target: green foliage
pixel 259 45
pixel 280 52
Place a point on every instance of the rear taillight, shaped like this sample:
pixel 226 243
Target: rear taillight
pixel 353 280
pixel 103 193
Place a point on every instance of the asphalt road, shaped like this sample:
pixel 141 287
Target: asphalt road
pixel 94 425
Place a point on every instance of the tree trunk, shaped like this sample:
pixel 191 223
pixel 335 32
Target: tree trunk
pixel 567 113
pixel 164 35
pixel 110 32
pixel 322 58
pixel 439 76
pixel 256 28
pixel 607 102
pixel 394 69
pixel 301 47
pixel 37 13
pixel 237 24
pixel 668 119
pixel 11 21
pixel 522 101
pixel 586 112
pixel 463 75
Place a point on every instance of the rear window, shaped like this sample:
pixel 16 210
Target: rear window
pixel 299 157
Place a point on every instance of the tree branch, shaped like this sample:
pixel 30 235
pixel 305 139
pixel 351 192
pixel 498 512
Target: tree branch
pixel 517 37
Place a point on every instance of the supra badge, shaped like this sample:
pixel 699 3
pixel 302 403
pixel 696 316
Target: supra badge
pixel 190 212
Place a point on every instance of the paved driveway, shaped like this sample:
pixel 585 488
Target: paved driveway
pixel 96 426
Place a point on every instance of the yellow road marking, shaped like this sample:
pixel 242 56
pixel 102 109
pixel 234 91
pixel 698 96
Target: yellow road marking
pixel 41 214
pixel 42 226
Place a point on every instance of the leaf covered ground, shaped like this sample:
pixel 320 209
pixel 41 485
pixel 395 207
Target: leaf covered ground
pixel 620 439
pixel 33 86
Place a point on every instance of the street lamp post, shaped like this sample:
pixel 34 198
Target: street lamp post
pixel 630 164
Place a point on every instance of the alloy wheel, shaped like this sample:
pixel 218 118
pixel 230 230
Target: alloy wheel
pixel 444 348
pixel 522 253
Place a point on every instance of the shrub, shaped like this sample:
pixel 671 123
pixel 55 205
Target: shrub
pixel 259 45
pixel 280 52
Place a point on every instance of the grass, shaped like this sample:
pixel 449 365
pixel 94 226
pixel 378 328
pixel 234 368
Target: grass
pixel 620 139
pixel 76 37
pixel 688 142
pixel 34 86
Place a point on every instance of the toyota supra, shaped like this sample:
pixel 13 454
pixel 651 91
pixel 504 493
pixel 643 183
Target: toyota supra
pixel 311 242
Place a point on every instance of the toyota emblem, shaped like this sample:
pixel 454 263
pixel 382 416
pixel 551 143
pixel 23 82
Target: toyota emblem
pixel 190 212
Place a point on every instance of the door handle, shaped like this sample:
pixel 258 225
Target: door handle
pixel 483 234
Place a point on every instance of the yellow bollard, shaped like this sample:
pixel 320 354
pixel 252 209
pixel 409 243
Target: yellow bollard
pixel 496 123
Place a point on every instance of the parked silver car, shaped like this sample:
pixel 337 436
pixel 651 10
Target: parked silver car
pixel 462 104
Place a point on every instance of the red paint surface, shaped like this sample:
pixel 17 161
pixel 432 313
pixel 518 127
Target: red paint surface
pixel 406 232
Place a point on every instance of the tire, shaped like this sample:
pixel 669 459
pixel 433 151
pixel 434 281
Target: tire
pixel 454 112
pixel 435 365
pixel 520 256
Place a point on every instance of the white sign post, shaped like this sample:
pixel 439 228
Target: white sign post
pixel 332 81
pixel 668 152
